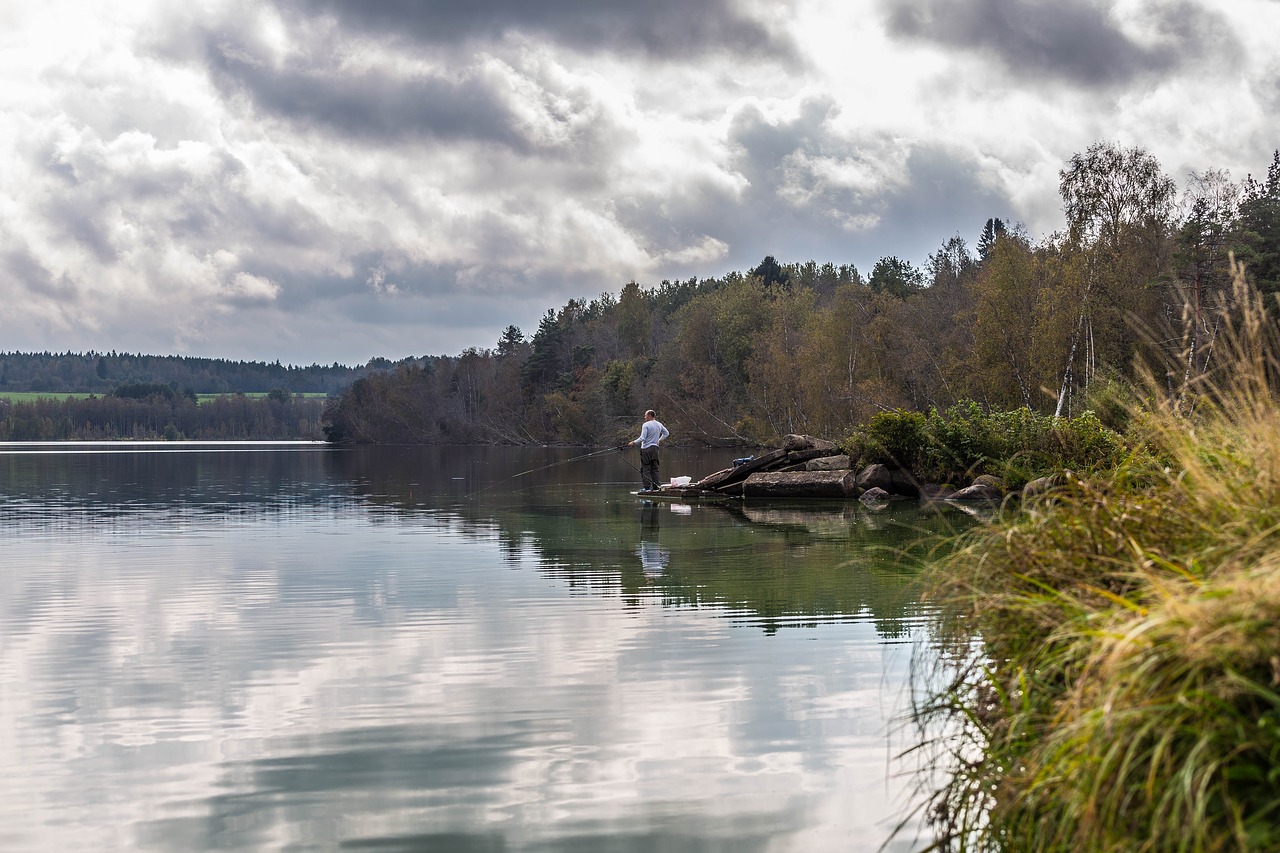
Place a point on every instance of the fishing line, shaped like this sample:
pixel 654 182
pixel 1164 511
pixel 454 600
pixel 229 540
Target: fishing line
pixel 565 461
pixel 632 465
pixel 544 468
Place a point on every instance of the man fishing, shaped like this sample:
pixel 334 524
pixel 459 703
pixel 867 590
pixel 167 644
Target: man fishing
pixel 651 434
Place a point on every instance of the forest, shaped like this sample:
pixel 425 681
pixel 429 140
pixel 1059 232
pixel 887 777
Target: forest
pixel 1054 325
pixel 102 372
pixel 144 411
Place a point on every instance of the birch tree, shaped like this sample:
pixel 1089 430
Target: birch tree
pixel 1118 203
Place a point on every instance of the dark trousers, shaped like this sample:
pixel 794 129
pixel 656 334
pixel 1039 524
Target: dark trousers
pixel 649 467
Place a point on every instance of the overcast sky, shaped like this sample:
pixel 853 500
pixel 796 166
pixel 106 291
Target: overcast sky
pixel 332 180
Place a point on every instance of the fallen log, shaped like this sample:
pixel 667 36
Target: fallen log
pixel 798 456
pixel 801 484
pixel 731 477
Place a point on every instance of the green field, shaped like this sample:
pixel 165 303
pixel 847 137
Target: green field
pixel 261 394
pixel 32 396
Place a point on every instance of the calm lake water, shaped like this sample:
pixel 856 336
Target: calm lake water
pixel 272 647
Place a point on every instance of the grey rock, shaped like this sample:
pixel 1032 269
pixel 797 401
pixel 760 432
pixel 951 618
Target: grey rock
pixel 979 492
pixel 828 463
pixel 807 442
pixel 876 476
pixel 904 483
pixel 1040 485
pixel 935 492
pixel 796 442
pixel 874 495
pixel 800 484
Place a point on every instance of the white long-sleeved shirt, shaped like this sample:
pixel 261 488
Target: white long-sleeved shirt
pixel 651 433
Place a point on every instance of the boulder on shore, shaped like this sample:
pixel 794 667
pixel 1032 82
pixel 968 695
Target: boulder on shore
pixel 801 484
pixel 1040 485
pixel 875 476
pixel 893 480
pixel 979 492
pixel 935 492
pixel 874 495
pixel 828 463
pixel 807 442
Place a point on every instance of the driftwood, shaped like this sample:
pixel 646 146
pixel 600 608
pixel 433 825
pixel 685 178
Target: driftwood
pixel 729 478
pixel 795 457
pixel 808 467
pixel 801 484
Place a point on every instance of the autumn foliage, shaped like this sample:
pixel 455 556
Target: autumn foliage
pixel 1049 326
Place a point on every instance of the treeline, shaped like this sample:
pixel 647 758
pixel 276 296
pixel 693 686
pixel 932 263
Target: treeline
pixel 234 417
pixel 1049 325
pixel 101 372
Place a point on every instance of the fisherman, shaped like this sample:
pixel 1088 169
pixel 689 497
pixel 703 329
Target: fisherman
pixel 651 434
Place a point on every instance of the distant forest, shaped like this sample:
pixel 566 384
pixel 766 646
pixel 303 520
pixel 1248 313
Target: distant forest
pixel 1053 325
pixel 100 373
pixel 142 412
pixel 155 397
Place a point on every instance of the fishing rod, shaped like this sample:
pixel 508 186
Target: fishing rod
pixel 567 461
pixel 546 467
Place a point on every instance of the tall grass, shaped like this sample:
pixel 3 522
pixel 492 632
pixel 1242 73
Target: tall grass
pixel 1127 695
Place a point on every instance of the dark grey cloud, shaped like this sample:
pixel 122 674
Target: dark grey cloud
pixel 668 29
pixel 1267 90
pixel 87 227
pixel 374 104
pixel 943 195
pixel 18 263
pixel 469 99
pixel 1077 41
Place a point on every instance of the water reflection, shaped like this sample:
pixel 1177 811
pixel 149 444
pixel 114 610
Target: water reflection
pixel 398 649
pixel 653 557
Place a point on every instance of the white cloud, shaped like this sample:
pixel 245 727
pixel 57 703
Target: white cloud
pixel 542 163
pixel 253 288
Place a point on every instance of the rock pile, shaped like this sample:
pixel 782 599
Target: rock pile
pixel 808 467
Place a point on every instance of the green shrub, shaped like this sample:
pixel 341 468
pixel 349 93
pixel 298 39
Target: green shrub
pixel 964 441
pixel 891 438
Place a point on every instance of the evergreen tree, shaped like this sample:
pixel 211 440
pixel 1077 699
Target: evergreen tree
pixel 511 343
pixel 994 229
pixel 896 277
pixel 1259 246
pixel 546 353
pixel 771 273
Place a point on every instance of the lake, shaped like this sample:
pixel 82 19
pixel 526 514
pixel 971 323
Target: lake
pixel 293 647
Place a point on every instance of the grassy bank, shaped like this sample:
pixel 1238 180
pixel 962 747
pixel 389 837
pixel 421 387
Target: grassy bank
pixel 1128 694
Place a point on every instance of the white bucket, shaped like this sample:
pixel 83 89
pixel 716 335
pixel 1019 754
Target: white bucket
pixel 681 481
